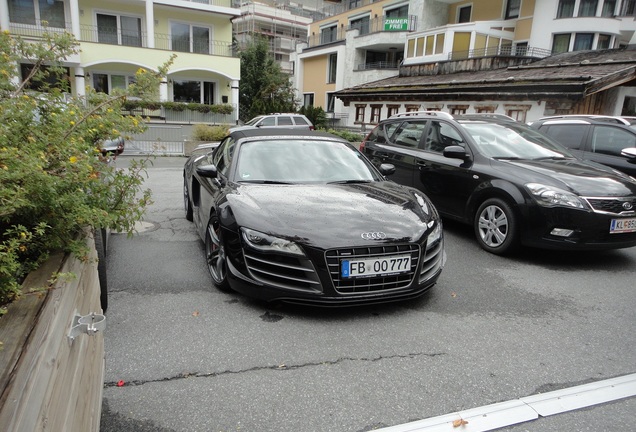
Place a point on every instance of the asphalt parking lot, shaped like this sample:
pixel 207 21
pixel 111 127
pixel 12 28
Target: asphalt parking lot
pixel 183 356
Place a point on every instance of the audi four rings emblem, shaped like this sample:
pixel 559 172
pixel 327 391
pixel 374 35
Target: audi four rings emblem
pixel 627 205
pixel 373 235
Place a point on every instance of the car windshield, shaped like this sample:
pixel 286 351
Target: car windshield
pixel 514 141
pixel 254 121
pixel 301 160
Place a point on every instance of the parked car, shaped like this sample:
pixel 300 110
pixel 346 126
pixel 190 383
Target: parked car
pixel 601 139
pixel 304 217
pixel 513 184
pixel 278 120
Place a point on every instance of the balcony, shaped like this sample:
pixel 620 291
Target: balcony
pixel 377 65
pixel 503 51
pixel 113 36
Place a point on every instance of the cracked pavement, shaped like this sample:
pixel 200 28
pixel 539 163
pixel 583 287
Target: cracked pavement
pixel 193 358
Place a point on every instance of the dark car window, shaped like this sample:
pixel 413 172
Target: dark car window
pixel 441 135
pixel 223 155
pixel 285 121
pixel 409 133
pixel 300 121
pixel 611 140
pixel 570 135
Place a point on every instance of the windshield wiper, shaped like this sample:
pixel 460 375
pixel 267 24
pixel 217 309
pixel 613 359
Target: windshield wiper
pixel 265 182
pixel 507 158
pixel 350 181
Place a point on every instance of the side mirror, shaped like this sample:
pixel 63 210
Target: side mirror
pixel 207 171
pixel 387 169
pixel 455 152
pixel 630 154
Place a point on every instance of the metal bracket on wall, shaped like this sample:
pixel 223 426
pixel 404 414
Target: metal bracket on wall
pixel 89 324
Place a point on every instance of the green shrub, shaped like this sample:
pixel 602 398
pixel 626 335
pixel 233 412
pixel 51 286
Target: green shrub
pixel 53 179
pixel 315 114
pixel 209 133
pixel 348 135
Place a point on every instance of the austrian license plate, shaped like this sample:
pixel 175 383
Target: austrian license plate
pixel 623 226
pixel 367 267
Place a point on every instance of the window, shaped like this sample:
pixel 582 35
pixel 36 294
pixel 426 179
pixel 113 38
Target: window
pixel 354 4
pixel 51 80
pixel 521 48
pixel 609 8
pixel 611 140
pixel 329 34
pixel 392 110
pixel 223 156
pixel 604 41
pixel 308 99
pixel 190 38
pixel 360 113
pixel 409 133
pixel 566 9
pixel 570 135
pixel 285 121
pixel 375 113
pixel 118 30
pixel 441 135
pixel 361 24
pixel 333 66
pixel 193 91
pixel 463 14
pixel 518 112
pixel 512 9
pixel 35 11
pixel 587 8
pixel 401 12
pixel 457 109
pixel 412 108
pixel 331 100
pixel 106 83
pixel 629 8
pixel 583 41
pixel 561 43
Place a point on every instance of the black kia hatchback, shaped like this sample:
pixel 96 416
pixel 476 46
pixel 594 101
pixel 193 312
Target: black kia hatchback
pixel 512 183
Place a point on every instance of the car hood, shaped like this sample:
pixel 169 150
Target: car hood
pixel 575 175
pixel 330 216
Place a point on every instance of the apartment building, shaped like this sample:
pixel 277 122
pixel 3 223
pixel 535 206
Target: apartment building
pixel 357 42
pixel 284 24
pixel 119 37
pixel 500 56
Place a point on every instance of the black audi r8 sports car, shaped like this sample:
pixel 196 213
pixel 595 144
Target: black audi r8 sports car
pixel 304 217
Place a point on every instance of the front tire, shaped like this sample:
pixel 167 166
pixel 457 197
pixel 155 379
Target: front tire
pixel 215 254
pixel 496 226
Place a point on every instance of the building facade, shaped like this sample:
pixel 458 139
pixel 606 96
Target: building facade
pixel 283 24
pixel 117 38
pixel 491 41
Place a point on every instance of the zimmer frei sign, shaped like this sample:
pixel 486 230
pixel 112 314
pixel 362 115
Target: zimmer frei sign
pixel 396 24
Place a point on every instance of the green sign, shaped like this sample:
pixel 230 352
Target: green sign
pixel 396 24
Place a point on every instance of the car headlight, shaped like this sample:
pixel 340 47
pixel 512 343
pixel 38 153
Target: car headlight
pixel 268 243
pixel 435 234
pixel 550 196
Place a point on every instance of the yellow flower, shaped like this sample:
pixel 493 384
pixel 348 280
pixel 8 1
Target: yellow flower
pixel 73 159
pixel 72 123
pixel 109 110
pixel 23 248
pixel 23 235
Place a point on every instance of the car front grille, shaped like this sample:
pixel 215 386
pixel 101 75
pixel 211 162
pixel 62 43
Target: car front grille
pixel 432 261
pixel 375 283
pixel 282 271
pixel 612 205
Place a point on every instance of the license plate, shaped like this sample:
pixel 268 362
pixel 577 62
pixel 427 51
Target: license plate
pixel 367 267
pixel 623 226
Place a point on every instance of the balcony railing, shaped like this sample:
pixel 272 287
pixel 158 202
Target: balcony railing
pixel 327 38
pixel 500 51
pixel 163 41
pixel 377 65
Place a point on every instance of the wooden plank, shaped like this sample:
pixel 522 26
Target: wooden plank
pixel 56 385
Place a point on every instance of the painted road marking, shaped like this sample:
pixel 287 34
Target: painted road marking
pixel 525 409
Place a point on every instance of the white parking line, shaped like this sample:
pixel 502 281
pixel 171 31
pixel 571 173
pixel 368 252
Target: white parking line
pixel 525 409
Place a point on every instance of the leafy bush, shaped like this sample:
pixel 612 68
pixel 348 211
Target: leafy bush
pixel 209 133
pixel 348 135
pixel 53 178
pixel 315 114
